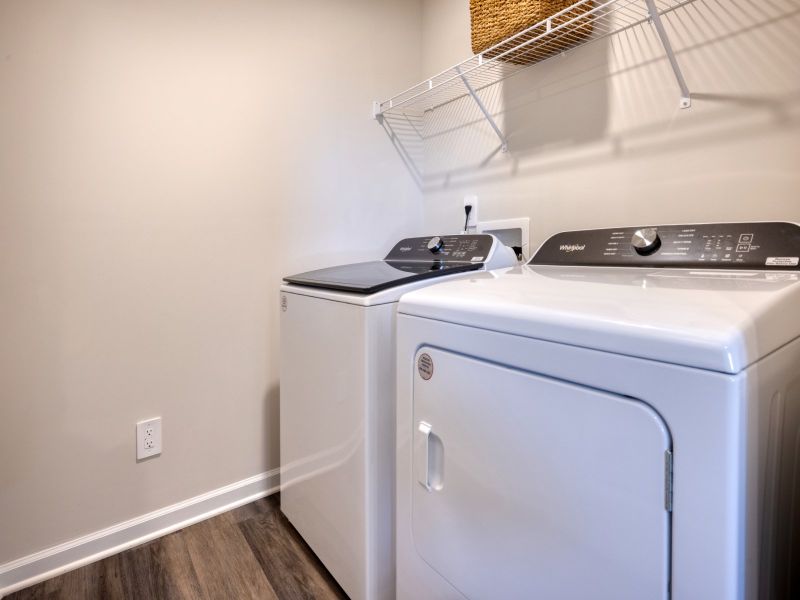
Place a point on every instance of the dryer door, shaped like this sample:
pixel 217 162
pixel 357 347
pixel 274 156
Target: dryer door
pixel 529 487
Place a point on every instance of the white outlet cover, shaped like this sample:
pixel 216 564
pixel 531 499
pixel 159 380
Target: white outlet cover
pixel 148 438
pixel 472 220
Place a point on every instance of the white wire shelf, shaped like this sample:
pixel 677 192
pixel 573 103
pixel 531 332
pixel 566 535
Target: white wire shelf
pixel 583 22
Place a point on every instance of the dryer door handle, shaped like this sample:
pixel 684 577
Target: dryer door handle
pixel 428 457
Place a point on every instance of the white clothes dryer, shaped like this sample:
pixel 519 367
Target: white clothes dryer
pixel 618 419
pixel 337 400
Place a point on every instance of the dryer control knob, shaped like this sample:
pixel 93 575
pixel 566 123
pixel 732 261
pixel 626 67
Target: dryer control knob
pixel 646 241
pixel 435 244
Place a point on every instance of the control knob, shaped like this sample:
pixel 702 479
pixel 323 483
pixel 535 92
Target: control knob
pixel 646 241
pixel 435 244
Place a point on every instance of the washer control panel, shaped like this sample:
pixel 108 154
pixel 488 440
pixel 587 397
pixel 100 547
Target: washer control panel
pixel 760 246
pixel 444 248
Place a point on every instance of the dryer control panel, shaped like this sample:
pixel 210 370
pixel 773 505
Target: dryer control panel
pixel 753 246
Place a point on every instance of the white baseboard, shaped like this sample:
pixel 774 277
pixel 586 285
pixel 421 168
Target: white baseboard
pixel 53 561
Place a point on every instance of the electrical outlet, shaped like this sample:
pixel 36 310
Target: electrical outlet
pixel 472 220
pixel 148 438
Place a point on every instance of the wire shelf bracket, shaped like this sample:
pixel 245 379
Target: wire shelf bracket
pixel 578 24
pixel 486 113
pixel 655 18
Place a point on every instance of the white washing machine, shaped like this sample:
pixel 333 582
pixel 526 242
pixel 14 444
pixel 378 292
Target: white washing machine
pixel 337 407
pixel 618 419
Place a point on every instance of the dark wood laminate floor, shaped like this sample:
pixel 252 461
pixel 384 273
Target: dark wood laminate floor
pixel 249 552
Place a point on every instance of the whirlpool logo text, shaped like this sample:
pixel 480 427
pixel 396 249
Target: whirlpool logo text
pixel 572 247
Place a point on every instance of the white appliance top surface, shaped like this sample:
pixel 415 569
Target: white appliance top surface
pixel 721 320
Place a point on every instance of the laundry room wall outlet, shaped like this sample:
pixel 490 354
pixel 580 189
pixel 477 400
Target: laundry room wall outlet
pixel 148 438
pixel 472 220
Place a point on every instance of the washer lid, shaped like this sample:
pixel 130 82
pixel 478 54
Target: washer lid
pixel 372 277
pixel 715 320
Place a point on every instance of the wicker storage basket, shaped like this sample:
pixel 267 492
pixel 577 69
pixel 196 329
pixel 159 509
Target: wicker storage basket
pixel 495 20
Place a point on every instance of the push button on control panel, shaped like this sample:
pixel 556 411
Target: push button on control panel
pixel 745 240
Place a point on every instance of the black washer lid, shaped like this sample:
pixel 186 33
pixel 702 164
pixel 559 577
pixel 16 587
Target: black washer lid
pixel 375 276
